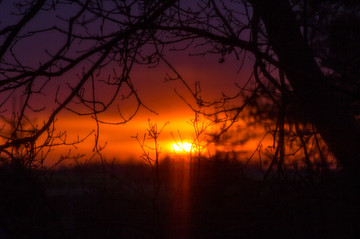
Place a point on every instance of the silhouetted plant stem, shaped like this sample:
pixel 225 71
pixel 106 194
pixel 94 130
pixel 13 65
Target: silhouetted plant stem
pixel 281 124
pixel 305 149
pixel 153 134
pixel 323 158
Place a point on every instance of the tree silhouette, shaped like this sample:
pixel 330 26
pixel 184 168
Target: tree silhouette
pixel 85 39
pixel 281 38
pixel 326 108
pixel 98 43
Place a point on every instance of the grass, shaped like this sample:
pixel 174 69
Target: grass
pixel 218 200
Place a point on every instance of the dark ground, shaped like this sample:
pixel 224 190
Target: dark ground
pixel 220 200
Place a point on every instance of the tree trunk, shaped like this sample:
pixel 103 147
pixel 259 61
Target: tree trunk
pixel 329 111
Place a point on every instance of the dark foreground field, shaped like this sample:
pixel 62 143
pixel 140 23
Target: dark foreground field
pixel 217 200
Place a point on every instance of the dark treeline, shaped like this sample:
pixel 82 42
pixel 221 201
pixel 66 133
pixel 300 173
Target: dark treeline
pixel 219 200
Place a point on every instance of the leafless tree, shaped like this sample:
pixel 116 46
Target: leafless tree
pixel 294 48
pixel 85 46
pixel 298 69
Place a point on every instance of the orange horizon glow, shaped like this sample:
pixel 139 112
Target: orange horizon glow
pixel 122 147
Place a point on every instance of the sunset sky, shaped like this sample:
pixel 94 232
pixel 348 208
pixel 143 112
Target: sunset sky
pixel 160 97
pixel 215 78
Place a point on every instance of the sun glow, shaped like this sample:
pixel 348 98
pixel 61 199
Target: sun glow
pixel 181 147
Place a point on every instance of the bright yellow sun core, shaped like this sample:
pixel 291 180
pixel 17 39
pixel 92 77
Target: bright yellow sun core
pixel 181 147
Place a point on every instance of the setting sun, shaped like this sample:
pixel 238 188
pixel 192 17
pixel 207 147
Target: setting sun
pixel 181 147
